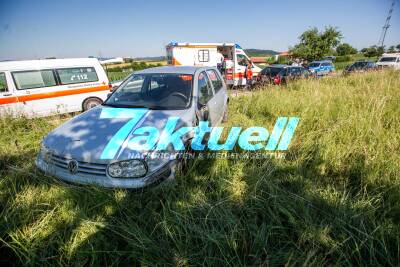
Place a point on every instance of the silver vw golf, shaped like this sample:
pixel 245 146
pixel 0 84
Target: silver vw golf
pixel 102 146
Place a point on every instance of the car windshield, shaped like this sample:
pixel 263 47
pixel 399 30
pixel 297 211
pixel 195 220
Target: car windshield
pixel 387 59
pixel 271 71
pixel 154 91
pixel 314 65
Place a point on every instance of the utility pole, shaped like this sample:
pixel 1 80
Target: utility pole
pixel 386 26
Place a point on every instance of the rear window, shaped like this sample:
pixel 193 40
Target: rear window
pixel 272 71
pixel 77 75
pixel 34 79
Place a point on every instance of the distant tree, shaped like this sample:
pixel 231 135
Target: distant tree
pixel 315 45
pixel 373 51
pixel 370 51
pixel 391 49
pixel 398 47
pixel 379 51
pixel 345 49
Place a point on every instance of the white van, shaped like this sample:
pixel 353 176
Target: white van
pixel 36 88
pixel 206 54
pixel 389 60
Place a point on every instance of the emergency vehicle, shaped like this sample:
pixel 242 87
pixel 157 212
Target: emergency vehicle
pixel 37 88
pixel 206 54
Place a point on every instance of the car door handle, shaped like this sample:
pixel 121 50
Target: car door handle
pixel 8 94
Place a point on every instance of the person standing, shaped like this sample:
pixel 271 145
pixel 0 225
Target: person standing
pixel 249 75
pixel 220 61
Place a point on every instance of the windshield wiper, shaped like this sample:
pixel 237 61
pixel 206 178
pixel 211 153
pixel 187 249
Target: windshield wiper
pixel 130 106
pixel 109 105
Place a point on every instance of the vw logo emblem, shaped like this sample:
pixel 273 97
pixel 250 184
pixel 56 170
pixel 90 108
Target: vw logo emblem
pixel 73 166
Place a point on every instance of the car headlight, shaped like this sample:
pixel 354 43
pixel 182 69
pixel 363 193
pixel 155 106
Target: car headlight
pixel 133 168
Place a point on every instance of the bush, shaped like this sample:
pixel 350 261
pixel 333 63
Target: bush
pixel 345 49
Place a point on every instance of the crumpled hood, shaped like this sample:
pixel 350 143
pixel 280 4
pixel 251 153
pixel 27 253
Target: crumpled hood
pixel 102 131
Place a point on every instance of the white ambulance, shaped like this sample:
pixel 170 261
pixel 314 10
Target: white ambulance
pixel 208 54
pixel 37 88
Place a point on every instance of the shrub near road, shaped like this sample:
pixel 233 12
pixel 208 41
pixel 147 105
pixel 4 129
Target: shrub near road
pixel 335 199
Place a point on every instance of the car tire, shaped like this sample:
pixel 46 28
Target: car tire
pixel 183 165
pixel 91 103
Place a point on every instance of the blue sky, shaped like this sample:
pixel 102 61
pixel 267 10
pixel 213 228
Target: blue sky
pixel 69 28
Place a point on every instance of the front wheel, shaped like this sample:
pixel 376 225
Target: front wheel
pixel 91 103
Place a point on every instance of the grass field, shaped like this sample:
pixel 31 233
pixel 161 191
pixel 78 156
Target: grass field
pixel 120 75
pixel 334 200
pixel 126 69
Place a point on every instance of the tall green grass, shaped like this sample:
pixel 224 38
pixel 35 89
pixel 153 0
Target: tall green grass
pixel 334 200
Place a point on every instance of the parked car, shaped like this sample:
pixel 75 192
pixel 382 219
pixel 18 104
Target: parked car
pixel 38 88
pixel 320 68
pixel 360 66
pixel 281 74
pixel 96 146
pixel 389 60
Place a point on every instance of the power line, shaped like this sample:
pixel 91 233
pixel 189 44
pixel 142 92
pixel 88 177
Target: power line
pixel 387 25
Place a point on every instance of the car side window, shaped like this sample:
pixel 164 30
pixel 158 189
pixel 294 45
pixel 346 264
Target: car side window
pixel 3 83
pixel 34 79
pixel 204 87
pixel 215 80
pixel 77 75
pixel 242 60
pixel 134 84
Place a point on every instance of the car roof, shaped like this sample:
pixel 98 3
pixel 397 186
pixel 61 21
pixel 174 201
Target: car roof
pixel 173 69
pixel 47 63
pixel 322 61
pixel 363 60
pixel 278 66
